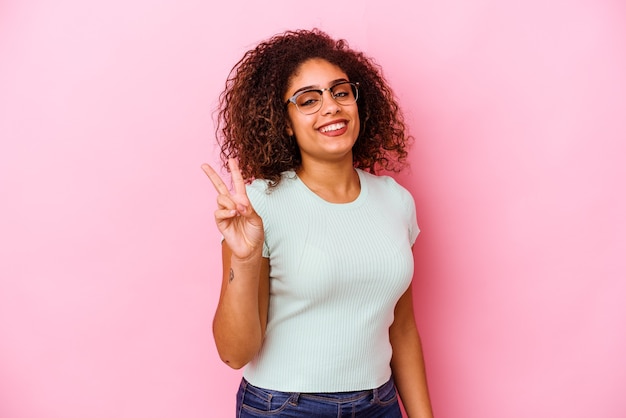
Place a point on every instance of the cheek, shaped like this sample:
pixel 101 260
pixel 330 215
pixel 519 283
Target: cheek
pixel 298 123
pixel 357 123
pixel 292 122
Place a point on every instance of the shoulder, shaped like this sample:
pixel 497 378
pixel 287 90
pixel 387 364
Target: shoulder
pixel 258 186
pixel 386 189
pixel 263 186
pixel 385 185
pixel 394 200
pixel 260 190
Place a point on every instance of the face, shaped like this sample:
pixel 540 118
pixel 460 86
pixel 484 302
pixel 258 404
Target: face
pixel 330 133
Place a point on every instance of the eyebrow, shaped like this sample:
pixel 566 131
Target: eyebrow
pixel 316 87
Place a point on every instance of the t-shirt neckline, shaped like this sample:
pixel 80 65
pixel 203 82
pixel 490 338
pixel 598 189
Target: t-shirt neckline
pixel 356 202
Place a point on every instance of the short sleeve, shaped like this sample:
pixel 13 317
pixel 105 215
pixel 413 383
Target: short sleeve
pixel 414 229
pixel 408 206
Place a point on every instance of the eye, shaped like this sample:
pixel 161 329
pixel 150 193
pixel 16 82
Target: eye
pixel 342 91
pixel 308 98
pixel 309 102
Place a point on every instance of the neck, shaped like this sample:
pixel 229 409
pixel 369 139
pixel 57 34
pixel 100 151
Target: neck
pixel 335 183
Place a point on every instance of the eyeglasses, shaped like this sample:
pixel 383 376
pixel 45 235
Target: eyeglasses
pixel 310 101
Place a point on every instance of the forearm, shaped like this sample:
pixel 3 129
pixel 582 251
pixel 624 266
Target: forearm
pixel 407 361
pixel 237 326
pixel 409 373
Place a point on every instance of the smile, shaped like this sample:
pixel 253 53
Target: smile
pixel 332 127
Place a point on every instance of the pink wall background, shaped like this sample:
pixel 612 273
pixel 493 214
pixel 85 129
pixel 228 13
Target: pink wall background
pixel 109 269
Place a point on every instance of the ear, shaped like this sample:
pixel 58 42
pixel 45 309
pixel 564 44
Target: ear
pixel 289 130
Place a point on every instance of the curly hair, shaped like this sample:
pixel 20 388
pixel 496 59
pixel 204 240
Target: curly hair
pixel 252 119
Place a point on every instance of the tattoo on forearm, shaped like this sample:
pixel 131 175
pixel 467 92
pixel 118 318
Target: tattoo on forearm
pixel 231 276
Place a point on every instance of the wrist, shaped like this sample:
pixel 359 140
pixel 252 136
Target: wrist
pixel 251 260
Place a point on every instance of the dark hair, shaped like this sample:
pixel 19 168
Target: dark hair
pixel 252 118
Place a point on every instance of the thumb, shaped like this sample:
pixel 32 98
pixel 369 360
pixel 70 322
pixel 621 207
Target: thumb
pixel 248 212
pixel 242 209
pixel 245 210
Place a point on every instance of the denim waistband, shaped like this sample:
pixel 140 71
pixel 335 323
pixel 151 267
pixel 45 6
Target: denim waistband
pixel 332 397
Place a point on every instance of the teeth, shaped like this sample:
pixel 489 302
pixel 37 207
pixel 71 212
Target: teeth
pixel 333 127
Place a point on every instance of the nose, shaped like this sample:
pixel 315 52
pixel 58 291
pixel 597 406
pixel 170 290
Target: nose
pixel 329 104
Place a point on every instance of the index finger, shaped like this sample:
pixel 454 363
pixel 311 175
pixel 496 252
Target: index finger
pixel 238 184
pixel 215 179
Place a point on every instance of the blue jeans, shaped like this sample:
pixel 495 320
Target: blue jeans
pixel 254 402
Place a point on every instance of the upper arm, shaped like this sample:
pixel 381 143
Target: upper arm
pixel 404 318
pixel 404 314
pixel 264 293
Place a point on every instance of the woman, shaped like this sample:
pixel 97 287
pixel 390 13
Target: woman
pixel 316 291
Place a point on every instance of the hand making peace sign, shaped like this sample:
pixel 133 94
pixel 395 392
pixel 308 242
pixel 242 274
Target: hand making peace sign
pixel 235 217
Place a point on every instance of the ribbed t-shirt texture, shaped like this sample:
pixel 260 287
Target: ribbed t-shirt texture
pixel 336 274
